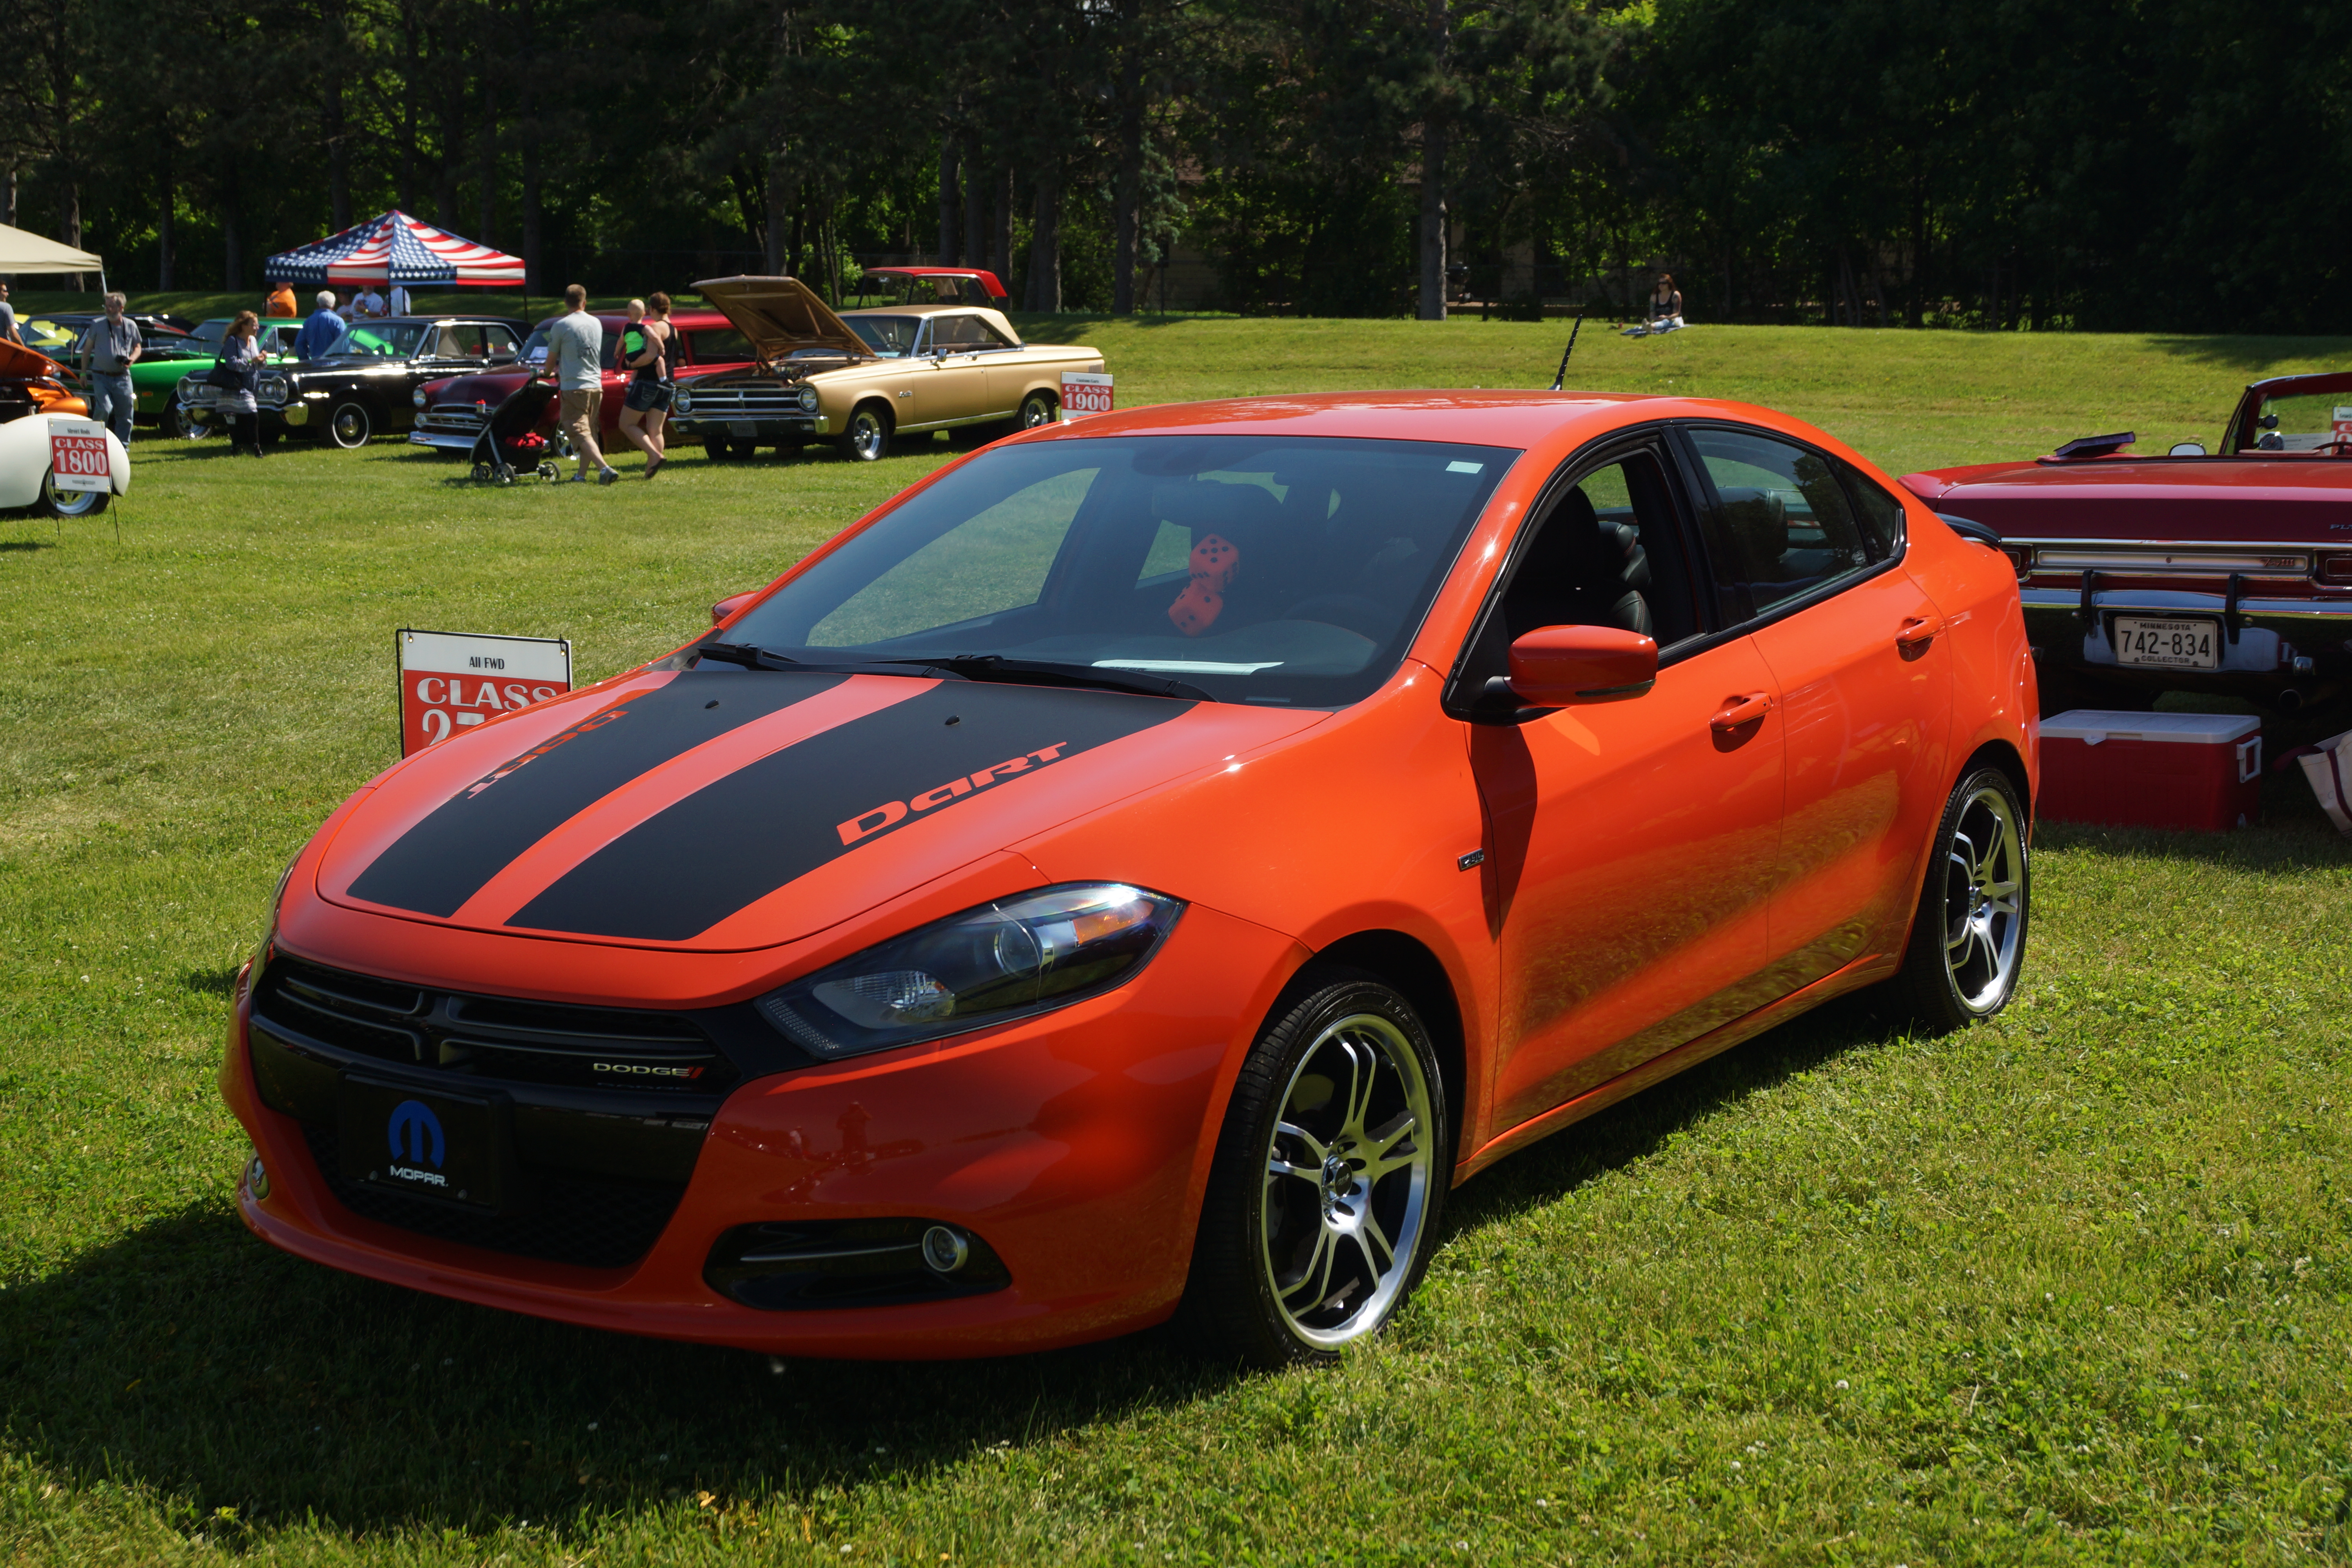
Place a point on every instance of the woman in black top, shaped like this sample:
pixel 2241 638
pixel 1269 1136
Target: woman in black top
pixel 647 348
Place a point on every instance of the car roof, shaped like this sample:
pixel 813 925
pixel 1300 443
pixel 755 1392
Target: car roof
pixel 2318 382
pixel 1468 417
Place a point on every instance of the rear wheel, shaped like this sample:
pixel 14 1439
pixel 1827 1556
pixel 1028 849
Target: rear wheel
pixel 1037 409
pixel 55 502
pixel 1328 1178
pixel 350 424
pixel 867 437
pixel 1968 941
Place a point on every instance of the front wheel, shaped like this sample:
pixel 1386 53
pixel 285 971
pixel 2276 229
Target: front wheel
pixel 1328 1178
pixel 1968 941
pixel 867 438
pixel 178 425
pixel 350 425
pixel 55 502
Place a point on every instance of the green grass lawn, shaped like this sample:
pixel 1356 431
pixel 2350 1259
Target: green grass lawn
pixel 2073 1286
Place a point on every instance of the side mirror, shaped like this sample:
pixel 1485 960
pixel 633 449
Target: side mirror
pixel 2186 449
pixel 1553 666
pixel 728 607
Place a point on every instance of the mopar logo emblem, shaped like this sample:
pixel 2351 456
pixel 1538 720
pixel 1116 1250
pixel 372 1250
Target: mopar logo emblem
pixel 414 1133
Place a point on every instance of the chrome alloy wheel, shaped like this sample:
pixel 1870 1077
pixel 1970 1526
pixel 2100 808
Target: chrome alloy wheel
pixel 1036 409
pixel 869 436
pixel 69 503
pixel 1348 1174
pixel 1984 881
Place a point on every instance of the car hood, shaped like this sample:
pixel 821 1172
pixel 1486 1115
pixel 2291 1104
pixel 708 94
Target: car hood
pixel 2219 498
pixel 19 364
pixel 780 315
pixel 728 811
pixel 491 386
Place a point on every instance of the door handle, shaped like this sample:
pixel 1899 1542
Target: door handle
pixel 1916 633
pixel 1737 711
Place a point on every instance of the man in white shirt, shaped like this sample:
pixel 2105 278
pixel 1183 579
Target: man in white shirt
pixel 575 355
pixel 368 306
pixel 400 305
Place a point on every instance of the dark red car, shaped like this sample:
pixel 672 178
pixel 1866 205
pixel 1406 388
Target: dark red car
pixel 2226 573
pixel 450 413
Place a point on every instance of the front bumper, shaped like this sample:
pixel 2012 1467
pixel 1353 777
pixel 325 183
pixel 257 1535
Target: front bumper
pixel 1075 1145
pixel 712 427
pixel 2267 644
pixel 443 439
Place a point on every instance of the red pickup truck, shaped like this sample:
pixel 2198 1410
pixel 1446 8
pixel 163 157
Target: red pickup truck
pixel 450 413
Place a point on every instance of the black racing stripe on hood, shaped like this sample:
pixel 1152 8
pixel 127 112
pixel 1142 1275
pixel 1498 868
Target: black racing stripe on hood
pixel 739 838
pixel 448 855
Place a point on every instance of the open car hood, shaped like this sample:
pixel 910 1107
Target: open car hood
pixel 734 810
pixel 18 363
pixel 780 315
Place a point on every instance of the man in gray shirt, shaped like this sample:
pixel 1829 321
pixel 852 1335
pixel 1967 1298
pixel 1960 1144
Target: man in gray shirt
pixel 109 348
pixel 575 353
pixel 8 332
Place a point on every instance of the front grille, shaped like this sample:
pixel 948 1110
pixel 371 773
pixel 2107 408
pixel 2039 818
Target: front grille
pixel 505 1039
pixel 746 400
pixel 575 1219
pixel 453 420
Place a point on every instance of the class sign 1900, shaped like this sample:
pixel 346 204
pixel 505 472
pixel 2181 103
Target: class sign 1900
pixel 454 680
pixel 1083 394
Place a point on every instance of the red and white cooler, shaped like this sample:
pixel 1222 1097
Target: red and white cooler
pixel 2152 770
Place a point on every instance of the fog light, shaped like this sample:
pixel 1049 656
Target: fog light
pixel 944 1250
pixel 257 1181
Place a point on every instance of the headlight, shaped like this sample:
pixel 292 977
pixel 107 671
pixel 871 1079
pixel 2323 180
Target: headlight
pixel 989 965
pixel 685 401
pixel 418 397
pixel 808 398
pixel 273 386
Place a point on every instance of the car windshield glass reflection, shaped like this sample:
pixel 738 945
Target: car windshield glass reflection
pixel 2313 423
pixel 48 337
pixel 395 340
pixel 892 337
pixel 1258 569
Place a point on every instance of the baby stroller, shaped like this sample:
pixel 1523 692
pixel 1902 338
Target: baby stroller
pixel 516 440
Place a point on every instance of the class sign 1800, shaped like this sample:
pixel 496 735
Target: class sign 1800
pixel 79 459
pixel 454 680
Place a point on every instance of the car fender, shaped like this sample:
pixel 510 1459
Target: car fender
pixel 25 460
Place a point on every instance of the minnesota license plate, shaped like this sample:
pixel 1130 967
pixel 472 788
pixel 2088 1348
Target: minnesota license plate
pixel 743 429
pixel 433 1145
pixel 2193 643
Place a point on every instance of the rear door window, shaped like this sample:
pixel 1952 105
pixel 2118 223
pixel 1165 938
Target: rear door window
pixel 1781 526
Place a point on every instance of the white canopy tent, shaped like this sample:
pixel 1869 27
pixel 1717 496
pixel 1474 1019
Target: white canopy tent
pixel 23 252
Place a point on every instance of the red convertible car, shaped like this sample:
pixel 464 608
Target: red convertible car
pixel 2226 573
pixel 1139 870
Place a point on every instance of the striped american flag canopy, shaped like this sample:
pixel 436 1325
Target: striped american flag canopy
pixel 395 248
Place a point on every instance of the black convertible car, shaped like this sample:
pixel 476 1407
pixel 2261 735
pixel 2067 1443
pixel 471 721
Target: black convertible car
pixel 364 386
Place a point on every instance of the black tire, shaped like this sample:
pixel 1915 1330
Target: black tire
pixel 717 449
pixel 55 502
pixel 1288 1187
pixel 350 424
pixel 174 424
pixel 743 451
pixel 867 437
pixel 1967 939
pixel 1037 409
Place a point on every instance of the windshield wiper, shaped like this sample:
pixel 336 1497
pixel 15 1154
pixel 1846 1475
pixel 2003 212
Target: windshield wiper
pixel 752 657
pixel 748 655
pixel 1056 672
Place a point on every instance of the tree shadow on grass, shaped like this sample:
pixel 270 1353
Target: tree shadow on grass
pixel 190 1359
pixel 2254 357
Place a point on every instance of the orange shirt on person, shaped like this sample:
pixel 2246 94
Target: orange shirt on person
pixel 281 302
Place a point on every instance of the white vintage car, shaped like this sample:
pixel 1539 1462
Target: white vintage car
pixel 53 458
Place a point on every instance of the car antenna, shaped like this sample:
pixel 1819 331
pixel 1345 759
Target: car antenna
pixel 1563 376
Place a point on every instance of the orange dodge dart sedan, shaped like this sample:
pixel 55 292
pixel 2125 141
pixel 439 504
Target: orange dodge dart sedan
pixel 1139 871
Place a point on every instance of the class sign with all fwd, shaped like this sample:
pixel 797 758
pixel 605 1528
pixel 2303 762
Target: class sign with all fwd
pixel 78 454
pixel 455 681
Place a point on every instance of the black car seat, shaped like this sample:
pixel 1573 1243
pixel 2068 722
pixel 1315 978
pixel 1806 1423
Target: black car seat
pixel 1582 571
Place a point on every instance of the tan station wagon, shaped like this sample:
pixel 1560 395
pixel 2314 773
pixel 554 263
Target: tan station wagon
pixel 863 378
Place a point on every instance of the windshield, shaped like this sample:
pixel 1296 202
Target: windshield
pixel 1288 569
pixel 211 332
pixel 383 339
pixel 2309 423
pixel 892 337
pixel 51 338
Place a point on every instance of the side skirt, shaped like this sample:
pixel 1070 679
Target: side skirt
pixel 1862 972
